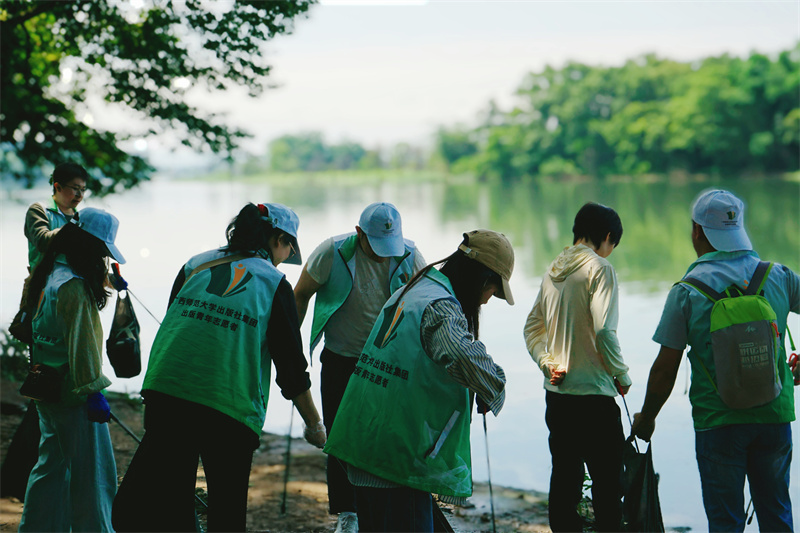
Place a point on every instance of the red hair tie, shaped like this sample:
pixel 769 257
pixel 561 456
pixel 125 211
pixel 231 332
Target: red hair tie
pixel 263 210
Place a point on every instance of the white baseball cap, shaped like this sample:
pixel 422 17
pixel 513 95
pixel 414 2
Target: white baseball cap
pixel 721 214
pixel 286 220
pixel 102 225
pixel 384 229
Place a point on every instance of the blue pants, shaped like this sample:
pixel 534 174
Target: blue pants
pixel 398 509
pixel 72 486
pixel 760 452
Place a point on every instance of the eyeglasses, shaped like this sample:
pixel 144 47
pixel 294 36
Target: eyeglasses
pixel 76 190
pixel 293 253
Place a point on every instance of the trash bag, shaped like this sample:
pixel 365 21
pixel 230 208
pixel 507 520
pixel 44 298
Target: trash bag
pixel 641 509
pixel 122 345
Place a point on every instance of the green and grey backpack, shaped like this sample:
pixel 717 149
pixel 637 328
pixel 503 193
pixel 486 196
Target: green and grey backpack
pixel 744 342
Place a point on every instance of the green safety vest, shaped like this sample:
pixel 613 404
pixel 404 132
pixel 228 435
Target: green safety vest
pixel 402 417
pixel 211 348
pixel 49 343
pixel 335 291
pixel 55 220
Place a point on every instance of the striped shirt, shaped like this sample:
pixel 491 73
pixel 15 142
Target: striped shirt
pixel 446 340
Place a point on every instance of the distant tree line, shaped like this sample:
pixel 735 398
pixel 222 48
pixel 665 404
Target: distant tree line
pixel 721 115
pixel 308 152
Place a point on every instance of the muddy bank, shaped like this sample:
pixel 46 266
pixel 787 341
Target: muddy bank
pixel 306 501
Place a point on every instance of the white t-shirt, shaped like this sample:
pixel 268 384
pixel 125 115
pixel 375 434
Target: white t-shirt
pixel 347 330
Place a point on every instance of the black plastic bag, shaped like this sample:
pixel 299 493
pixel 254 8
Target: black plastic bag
pixel 641 508
pixel 21 327
pixel 122 345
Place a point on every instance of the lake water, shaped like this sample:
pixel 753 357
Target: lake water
pixel 163 223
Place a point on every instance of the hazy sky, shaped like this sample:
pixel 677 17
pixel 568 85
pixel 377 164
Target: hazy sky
pixel 379 74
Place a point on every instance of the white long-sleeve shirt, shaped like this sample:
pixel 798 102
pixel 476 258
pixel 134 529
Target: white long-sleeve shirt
pixel 573 324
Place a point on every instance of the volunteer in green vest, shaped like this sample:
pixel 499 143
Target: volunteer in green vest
pixel 72 486
pixel 403 425
pixel 42 222
pixel 731 444
pixel 43 219
pixel 352 276
pixel 231 316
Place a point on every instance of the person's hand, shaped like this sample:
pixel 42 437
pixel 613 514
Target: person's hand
pixel 643 427
pixel 622 389
pixel 557 374
pixel 795 368
pixel 116 280
pixel 482 406
pixel 316 435
pixel 99 411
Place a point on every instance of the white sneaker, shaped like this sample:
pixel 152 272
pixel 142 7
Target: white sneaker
pixel 347 523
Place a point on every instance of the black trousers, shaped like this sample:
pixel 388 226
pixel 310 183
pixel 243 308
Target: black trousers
pixel 334 376
pixel 157 492
pixel 585 430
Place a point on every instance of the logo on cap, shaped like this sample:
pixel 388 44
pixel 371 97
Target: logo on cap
pixel 731 215
pixel 389 226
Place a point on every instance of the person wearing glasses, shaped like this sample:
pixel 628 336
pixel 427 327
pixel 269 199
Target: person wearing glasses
pixel 231 316
pixel 42 222
pixel 352 276
pixel 43 219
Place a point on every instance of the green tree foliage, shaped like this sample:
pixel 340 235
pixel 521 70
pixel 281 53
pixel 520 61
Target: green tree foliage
pixel 454 144
pixel 723 115
pixel 308 152
pixel 144 59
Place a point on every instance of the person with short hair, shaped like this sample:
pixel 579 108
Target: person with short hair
pixel 72 486
pixel 352 276
pixel 42 220
pixel 231 317
pixel 571 334
pixel 403 426
pixel 731 443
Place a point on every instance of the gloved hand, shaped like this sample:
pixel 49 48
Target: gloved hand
pixel 482 406
pixel 316 435
pixel 115 278
pixel 99 411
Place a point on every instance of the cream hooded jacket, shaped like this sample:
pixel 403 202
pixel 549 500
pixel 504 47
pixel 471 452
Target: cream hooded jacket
pixel 573 324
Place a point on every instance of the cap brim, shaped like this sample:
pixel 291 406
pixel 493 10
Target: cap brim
pixel 296 259
pixel 507 296
pixel 728 240
pixel 386 246
pixel 114 253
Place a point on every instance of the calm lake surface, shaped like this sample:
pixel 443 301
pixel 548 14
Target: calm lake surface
pixel 163 223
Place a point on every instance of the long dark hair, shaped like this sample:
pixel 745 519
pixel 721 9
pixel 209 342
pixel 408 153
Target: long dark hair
pixel 248 232
pixel 468 278
pixel 85 254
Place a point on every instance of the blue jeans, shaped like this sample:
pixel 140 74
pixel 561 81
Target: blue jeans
pixel 398 509
pixel 760 452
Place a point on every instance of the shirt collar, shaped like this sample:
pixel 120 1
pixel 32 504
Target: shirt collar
pixel 721 256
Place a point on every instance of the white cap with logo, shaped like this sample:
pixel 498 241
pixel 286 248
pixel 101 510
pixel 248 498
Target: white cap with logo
pixel 384 229
pixel 721 214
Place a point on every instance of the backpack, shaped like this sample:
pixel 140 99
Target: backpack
pixel 744 342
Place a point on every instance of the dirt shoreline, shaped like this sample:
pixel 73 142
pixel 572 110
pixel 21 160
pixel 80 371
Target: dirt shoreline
pixel 306 496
